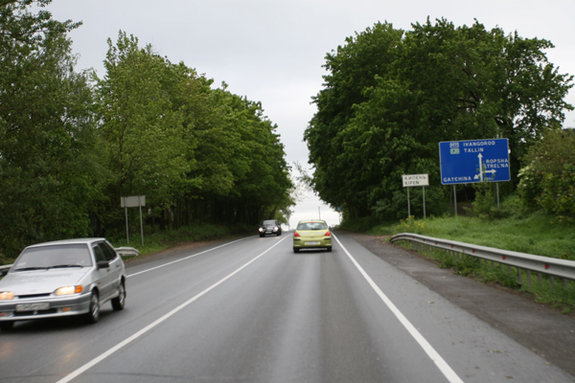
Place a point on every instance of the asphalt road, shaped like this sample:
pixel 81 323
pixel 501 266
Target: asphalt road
pixel 251 310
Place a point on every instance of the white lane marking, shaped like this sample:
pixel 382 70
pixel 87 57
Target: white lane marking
pixel 445 369
pixel 185 258
pixel 158 321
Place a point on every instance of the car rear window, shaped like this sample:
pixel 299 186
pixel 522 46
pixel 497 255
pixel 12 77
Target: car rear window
pixel 312 226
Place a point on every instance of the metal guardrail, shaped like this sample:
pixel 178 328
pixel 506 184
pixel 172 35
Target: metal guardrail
pixel 553 267
pixel 127 251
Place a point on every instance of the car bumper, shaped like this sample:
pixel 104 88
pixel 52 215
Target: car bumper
pixel 312 243
pixel 266 232
pixel 26 309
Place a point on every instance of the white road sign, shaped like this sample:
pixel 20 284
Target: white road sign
pixel 412 180
pixel 133 201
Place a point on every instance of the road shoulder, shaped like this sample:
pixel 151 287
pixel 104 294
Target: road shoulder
pixel 546 332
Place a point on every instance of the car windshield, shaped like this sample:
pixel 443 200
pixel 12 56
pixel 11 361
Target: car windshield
pixel 53 256
pixel 312 226
pixel 269 223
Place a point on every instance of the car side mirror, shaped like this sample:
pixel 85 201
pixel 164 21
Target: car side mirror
pixel 103 265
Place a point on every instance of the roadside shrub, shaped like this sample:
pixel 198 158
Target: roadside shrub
pixel 548 178
pixel 483 203
pixel 558 192
pixel 410 225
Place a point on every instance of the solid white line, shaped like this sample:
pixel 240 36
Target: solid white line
pixel 158 321
pixel 445 369
pixel 185 258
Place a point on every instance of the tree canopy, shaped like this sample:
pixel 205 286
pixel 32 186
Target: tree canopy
pixel 391 95
pixel 71 144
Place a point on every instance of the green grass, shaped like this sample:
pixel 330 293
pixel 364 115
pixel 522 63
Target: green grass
pixel 163 240
pixel 537 234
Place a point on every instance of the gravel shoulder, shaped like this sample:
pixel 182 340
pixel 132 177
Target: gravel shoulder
pixel 545 331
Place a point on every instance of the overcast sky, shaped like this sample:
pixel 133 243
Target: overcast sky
pixel 273 51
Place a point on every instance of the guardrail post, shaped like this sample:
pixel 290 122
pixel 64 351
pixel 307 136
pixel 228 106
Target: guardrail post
pixel 539 280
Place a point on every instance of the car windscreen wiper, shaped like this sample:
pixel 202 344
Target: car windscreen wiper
pixel 64 266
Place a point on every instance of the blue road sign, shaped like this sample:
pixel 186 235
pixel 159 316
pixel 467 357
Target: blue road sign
pixel 464 162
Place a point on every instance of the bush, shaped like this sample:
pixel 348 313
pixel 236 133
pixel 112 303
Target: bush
pixel 548 178
pixel 410 225
pixel 483 204
pixel 558 192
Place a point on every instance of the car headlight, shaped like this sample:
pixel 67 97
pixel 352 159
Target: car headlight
pixel 261 229
pixel 69 290
pixel 6 295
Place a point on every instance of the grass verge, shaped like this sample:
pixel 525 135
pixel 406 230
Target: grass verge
pixel 163 240
pixel 537 234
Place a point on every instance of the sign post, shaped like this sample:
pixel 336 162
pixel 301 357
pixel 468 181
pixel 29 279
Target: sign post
pixel 133 201
pixel 472 161
pixel 412 180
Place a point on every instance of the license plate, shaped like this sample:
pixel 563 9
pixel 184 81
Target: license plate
pixel 32 307
pixel 312 243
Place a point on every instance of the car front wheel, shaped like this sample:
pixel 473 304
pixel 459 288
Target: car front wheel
pixel 94 314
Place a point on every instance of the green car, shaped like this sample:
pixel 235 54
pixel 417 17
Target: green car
pixel 312 234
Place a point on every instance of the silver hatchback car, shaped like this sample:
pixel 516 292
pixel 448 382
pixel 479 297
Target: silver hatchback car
pixel 63 278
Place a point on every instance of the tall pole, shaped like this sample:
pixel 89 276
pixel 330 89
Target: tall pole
pixel 127 228
pixel 408 205
pixel 455 199
pixel 423 188
pixel 141 221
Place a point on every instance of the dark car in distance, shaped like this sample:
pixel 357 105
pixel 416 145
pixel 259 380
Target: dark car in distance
pixel 270 226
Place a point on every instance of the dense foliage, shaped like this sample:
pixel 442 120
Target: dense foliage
pixel 390 96
pixel 548 177
pixel 71 144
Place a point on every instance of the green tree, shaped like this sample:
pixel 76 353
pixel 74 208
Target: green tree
pixel 48 161
pixel 548 176
pixel 198 154
pixel 241 162
pixel 144 124
pixel 351 70
pixel 391 96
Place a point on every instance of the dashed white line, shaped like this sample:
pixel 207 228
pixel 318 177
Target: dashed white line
pixel 184 259
pixel 79 371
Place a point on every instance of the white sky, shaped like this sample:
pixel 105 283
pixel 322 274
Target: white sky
pixel 273 51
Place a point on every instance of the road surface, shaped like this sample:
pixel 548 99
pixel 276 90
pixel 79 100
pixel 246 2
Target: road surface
pixel 250 310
